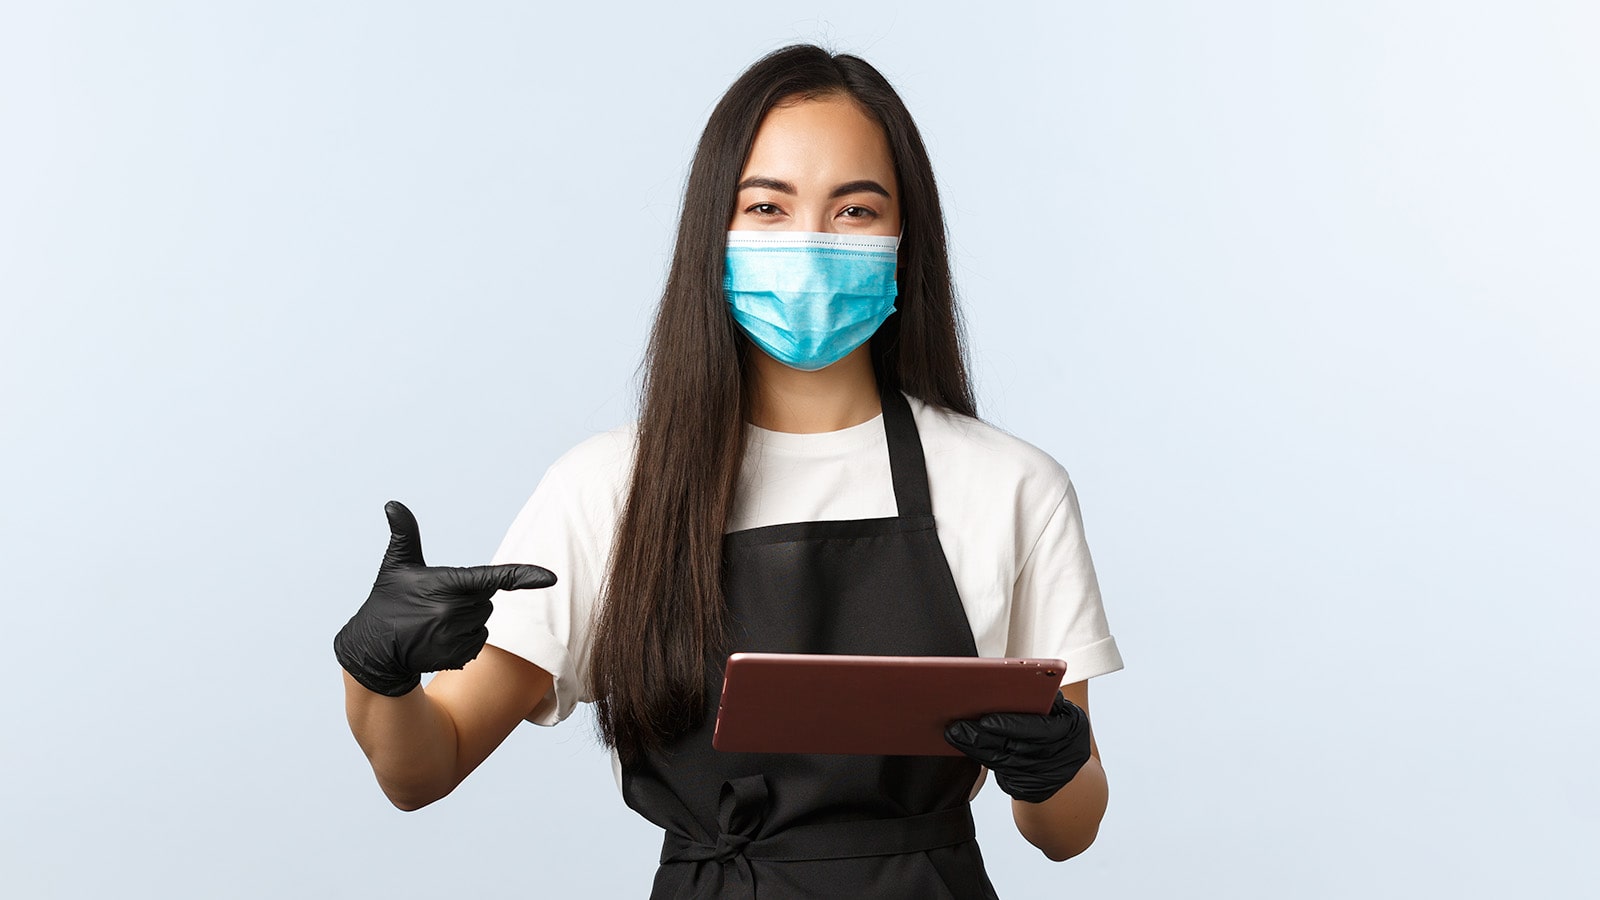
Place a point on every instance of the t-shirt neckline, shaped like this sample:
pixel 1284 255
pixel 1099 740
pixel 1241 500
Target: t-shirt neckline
pixel 819 443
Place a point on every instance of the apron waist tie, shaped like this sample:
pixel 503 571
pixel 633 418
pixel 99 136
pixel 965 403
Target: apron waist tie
pixel 832 840
pixel 743 802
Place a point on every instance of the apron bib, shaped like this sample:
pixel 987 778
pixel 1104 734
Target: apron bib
pixel 778 825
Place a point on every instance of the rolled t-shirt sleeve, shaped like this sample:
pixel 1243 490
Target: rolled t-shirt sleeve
pixel 1056 607
pixel 550 627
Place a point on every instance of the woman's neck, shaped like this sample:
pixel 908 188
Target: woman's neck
pixel 785 399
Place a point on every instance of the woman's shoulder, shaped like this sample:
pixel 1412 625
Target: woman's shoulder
pixel 600 451
pixel 598 467
pixel 984 452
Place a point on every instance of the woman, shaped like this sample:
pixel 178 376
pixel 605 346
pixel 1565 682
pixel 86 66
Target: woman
pixel 806 475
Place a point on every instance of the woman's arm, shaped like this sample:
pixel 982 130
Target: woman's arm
pixel 1066 824
pixel 424 743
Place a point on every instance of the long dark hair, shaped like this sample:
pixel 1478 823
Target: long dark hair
pixel 661 619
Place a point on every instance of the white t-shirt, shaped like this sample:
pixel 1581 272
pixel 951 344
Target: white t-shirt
pixel 1006 515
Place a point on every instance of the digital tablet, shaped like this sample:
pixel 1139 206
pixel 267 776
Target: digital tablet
pixel 879 705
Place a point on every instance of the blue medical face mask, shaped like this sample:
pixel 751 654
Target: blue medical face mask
pixel 806 298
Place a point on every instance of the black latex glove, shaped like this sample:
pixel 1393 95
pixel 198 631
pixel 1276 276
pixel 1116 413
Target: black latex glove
pixel 422 618
pixel 1031 755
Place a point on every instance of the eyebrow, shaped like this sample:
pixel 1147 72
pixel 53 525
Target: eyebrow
pixel 784 187
pixel 858 187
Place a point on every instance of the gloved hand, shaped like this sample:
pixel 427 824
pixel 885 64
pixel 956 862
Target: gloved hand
pixel 422 618
pixel 1031 755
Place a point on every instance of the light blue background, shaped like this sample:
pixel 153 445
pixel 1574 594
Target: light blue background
pixel 1303 295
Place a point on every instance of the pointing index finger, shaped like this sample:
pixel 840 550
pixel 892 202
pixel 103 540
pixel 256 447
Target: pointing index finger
pixel 510 577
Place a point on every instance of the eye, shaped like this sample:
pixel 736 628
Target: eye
pixel 763 209
pixel 857 212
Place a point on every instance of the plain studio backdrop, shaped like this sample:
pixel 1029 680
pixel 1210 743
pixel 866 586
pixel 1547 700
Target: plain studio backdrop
pixel 1304 296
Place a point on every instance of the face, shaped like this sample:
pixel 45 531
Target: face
pixel 819 165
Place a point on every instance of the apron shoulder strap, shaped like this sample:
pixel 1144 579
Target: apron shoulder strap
pixel 907 465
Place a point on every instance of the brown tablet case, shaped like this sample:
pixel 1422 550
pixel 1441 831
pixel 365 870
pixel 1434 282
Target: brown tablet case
pixel 879 705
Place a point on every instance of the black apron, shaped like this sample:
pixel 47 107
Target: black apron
pixel 777 825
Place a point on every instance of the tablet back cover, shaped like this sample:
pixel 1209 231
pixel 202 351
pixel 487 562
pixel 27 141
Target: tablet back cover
pixel 879 705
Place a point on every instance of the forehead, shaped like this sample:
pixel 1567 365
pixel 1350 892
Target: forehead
pixel 828 139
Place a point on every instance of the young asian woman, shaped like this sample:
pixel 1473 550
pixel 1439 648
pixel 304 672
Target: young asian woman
pixel 807 474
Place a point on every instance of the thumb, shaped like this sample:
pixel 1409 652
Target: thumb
pixel 1019 726
pixel 405 541
pixel 960 732
pixel 514 577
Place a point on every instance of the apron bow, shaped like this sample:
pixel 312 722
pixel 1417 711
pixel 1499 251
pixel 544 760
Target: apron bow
pixel 741 807
pixel 730 846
